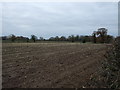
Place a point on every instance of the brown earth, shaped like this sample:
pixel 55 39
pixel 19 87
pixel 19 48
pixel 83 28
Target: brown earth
pixel 50 65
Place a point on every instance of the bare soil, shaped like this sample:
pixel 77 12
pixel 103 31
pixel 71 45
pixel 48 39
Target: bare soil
pixel 50 65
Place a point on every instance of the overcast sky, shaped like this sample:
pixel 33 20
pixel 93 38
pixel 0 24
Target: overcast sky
pixel 59 19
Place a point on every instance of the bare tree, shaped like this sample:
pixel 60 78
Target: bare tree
pixel 71 38
pixel 94 36
pixel 62 38
pixel 41 39
pixel 102 32
pixel 12 37
pixel 33 37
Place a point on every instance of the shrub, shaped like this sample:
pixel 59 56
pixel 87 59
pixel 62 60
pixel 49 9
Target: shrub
pixel 111 66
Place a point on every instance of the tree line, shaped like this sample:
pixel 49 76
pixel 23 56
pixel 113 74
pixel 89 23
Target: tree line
pixel 99 36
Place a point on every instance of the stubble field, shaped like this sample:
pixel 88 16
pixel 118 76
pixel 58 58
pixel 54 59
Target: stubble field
pixel 50 65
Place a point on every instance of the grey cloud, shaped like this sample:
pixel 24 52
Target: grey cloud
pixel 51 19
